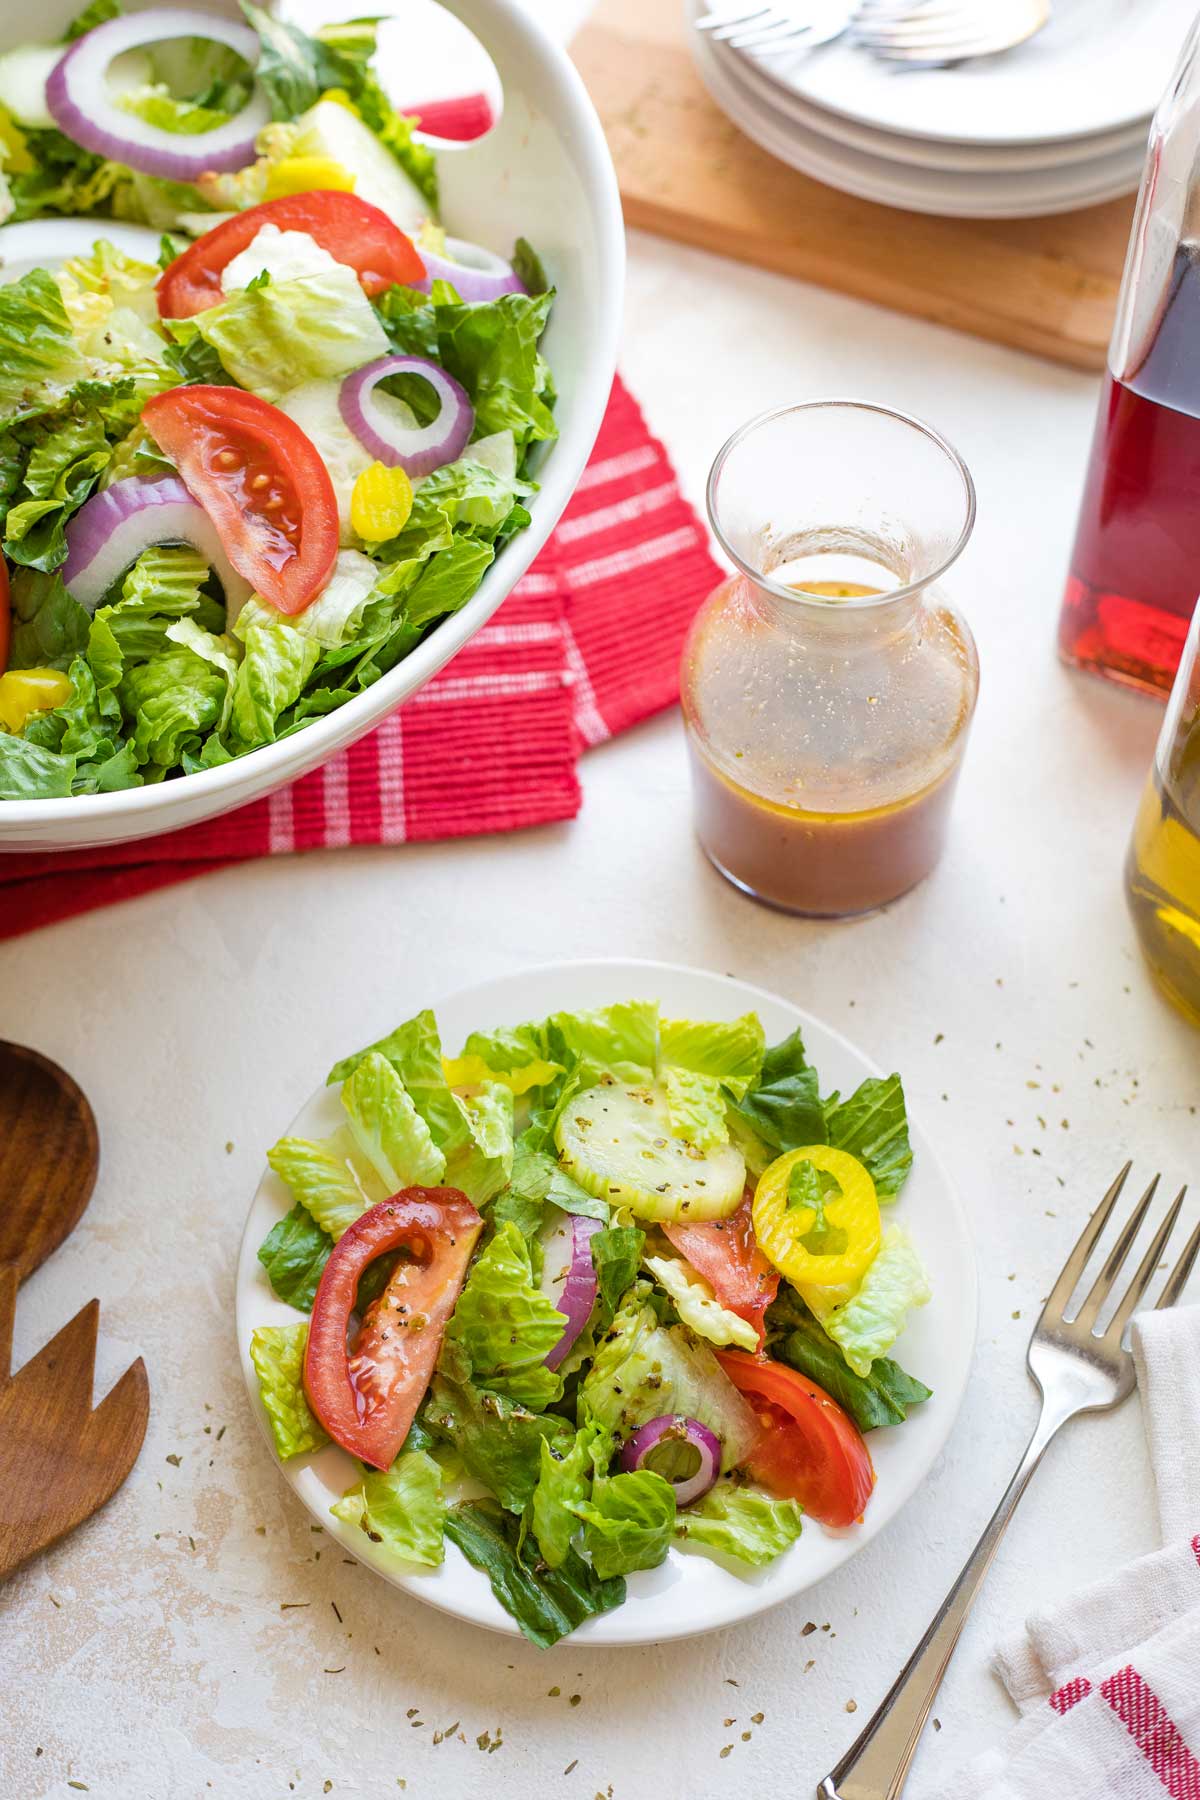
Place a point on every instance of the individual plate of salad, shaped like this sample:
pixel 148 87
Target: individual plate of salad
pixel 262 433
pixel 609 1298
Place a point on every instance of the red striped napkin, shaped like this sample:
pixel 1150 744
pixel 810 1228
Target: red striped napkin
pixel 586 645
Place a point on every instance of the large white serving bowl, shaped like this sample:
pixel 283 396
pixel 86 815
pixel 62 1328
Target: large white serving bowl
pixel 544 173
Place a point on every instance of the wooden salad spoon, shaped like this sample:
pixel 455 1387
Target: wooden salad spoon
pixel 59 1460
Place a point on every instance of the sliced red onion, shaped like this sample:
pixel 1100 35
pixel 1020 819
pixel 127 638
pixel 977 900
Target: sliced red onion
pixel 82 105
pixel 690 1431
pixel 473 272
pixel 110 531
pixel 417 449
pixel 578 1295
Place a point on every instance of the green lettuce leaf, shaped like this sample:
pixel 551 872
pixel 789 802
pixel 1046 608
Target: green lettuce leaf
pixel 696 1105
pixel 783 1108
pixel 483 1166
pixel 564 1481
pixel 414 1050
pixel 277 664
pixel 388 1128
pixel 628 1522
pixel 622 1038
pixel 643 1369
pixel 505 1326
pixel 294 1253
pixel 870 1322
pixel 509 1048
pixel 171 701
pixel 27 772
pixel 616 1257
pixel 546 1603
pixel 537 1178
pixel 873 1125
pixel 328 1180
pixel 39 358
pixel 884 1396
pixel 49 628
pixel 743 1522
pixel 61 472
pixel 403 1509
pixel 731 1051
pixel 272 338
pixel 277 1352
pixel 498 1439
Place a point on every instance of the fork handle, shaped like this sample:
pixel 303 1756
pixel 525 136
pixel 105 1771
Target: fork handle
pixel 876 1765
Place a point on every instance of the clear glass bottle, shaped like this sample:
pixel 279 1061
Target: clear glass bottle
pixel 1135 567
pixel 1162 871
pixel 828 685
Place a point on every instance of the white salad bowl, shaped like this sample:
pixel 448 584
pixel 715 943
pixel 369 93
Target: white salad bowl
pixel 544 173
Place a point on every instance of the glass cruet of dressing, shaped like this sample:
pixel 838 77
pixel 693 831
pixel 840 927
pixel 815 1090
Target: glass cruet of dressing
pixel 828 685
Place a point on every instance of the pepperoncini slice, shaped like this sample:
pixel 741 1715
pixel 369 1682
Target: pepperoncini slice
pixel 381 502
pixel 305 174
pixel 24 692
pixel 816 1217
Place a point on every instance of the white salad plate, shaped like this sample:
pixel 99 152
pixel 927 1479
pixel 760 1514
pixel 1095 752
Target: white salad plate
pixel 746 98
pixel 1099 66
pixel 691 1592
pixel 544 173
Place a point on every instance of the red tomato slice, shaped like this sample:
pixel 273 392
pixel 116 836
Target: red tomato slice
pixel 366 1397
pixel 726 1253
pixel 810 1450
pixel 5 616
pixel 352 230
pixel 261 481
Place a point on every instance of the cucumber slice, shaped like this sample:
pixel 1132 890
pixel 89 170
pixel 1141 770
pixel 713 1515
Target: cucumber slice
pixel 616 1141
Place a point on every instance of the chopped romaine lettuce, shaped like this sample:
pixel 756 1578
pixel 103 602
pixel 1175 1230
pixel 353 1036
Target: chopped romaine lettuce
pixel 498 1439
pixel 627 1522
pixel 696 1106
pixel 743 1522
pixel 504 1326
pixel 388 1129
pixel 643 1369
pixel 277 1352
pixel 328 1180
pixel 294 1253
pixel 564 1481
pixel 732 1052
pixel 881 1397
pixel 616 1258
pixel 873 1125
pixel 869 1323
pixel 404 1508
pixel 39 358
pixel 271 338
pixel 546 1603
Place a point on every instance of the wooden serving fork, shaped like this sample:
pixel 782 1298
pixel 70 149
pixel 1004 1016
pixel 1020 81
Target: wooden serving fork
pixel 59 1460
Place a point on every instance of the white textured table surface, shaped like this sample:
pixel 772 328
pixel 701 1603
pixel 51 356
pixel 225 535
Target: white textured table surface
pixel 198 1636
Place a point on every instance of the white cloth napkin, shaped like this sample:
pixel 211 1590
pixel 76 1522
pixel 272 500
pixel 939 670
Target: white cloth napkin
pixel 1109 1684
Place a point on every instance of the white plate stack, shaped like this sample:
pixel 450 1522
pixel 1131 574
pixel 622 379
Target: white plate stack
pixel 1058 123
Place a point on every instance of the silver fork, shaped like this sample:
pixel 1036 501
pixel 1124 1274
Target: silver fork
pixel 946 31
pixel 1078 1369
pixel 756 25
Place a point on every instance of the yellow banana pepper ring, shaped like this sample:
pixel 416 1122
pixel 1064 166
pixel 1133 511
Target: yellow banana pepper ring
pixel 853 1214
pixel 24 692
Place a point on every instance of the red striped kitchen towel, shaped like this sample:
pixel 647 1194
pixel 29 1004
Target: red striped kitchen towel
pixel 586 645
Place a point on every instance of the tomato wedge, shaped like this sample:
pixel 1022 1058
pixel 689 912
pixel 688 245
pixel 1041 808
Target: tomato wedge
pixel 810 1450
pixel 352 230
pixel 260 480
pixel 726 1253
pixel 5 616
pixel 366 1397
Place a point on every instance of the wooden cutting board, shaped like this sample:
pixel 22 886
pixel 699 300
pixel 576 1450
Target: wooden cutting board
pixel 686 172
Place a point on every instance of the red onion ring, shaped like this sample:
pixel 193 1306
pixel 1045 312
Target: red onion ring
pixel 110 531
pixel 473 272
pixel 578 1296
pixel 80 104
pixel 419 449
pixel 691 1431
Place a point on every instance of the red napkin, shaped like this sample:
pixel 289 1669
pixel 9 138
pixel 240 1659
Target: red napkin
pixel 587 644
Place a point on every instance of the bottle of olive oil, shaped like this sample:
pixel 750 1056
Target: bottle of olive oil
pixel 1162 872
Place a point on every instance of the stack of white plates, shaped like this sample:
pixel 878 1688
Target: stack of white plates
pixel 1058 123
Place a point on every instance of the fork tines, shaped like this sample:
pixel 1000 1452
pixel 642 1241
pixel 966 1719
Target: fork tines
pixel 1085 1316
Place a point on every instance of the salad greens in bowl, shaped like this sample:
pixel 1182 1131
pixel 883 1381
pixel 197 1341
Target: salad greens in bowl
pixel 288 400
pixel 607 1300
